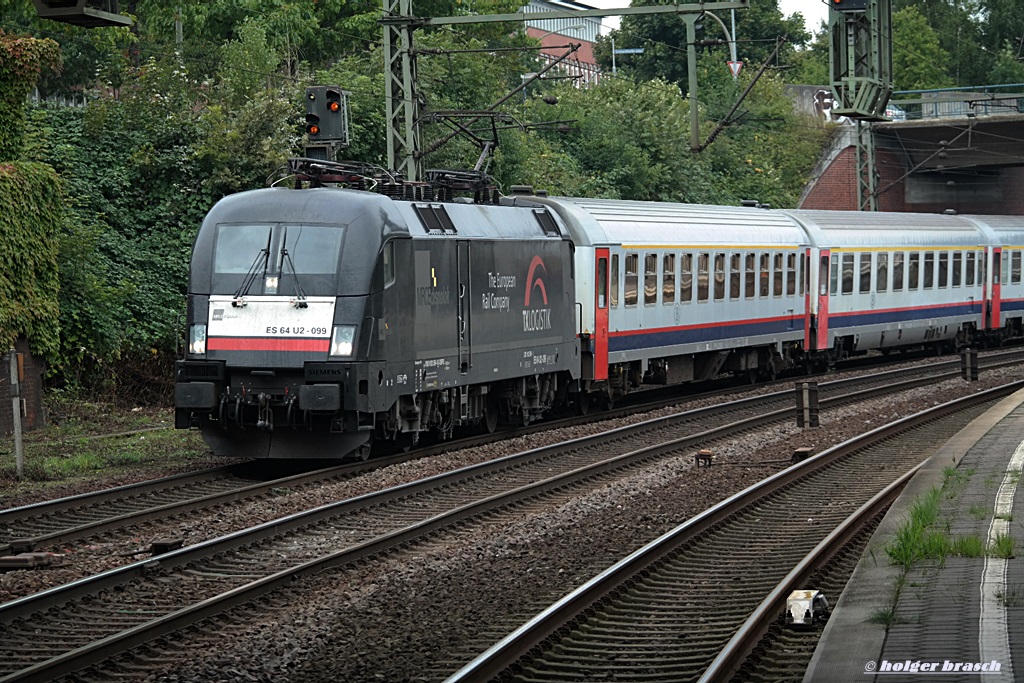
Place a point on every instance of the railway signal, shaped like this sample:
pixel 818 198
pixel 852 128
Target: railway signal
pixel 327 115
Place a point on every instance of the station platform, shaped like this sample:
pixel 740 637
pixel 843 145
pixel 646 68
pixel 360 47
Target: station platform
pixel 955 619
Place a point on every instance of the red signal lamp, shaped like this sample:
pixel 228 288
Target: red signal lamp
pixel 334 107
pixel 313 129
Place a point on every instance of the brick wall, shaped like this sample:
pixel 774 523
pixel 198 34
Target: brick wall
pixel 996 194
pixel 31 391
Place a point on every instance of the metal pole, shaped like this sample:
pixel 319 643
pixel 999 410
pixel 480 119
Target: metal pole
pixel 613 56
pixel 691 70
pixel 16 414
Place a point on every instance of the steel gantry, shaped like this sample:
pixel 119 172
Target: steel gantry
pixel 404 103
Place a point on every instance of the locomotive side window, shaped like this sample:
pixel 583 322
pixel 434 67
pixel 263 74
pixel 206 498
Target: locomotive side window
pixel 897 271
pixel 702 276
pixel 995 269
pixel 632 280
pixel 833 280
pixel 882 273
pixel 765 275
pixel 865 272
pixel 791 274
pixel 1015 269
pixel 719 277
pixel 668 279
pixel 389 264
pixel 848 273
pixel 777 290
pixel 958 260
pixel 615 281
pixel 602 282
pixel 1006 266
pixel 943 269
pixel 929 269
pixel 914 271
pixel 969 277
pixel 751 276
pixel 735 275
pixel 650 279
pixel 686 278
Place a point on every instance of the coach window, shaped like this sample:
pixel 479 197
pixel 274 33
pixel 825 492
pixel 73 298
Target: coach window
pixel 668 279
pixel 750 276
pixel 943 269
pixel 777 280
pixel 765 274
pixel 914 271
pixel 602 282
pixel 958 261
pixel 882 273
pixel 719 277
pixel 929 269
pixel 848 273
pixel 734 276
pixel 833 287
pixel 865 272
pixel 702 276
pixel 897 271
pixel 615 281
pixel 632 280
pixel 1015 269
pixel 805 279
pixel 650 279
pixel 685 278
pixel 791 274
pixel 1006 266
pixel 969 276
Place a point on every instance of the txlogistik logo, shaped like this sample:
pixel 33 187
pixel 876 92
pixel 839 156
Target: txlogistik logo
pixel 536 319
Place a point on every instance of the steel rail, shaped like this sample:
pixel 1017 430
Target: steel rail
pixel 742 645
pixel 520 642
pixel 108 646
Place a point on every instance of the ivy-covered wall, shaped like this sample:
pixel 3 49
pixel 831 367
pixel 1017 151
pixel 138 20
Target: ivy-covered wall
pixel 22 59
pixel 31 214
pixel 31 209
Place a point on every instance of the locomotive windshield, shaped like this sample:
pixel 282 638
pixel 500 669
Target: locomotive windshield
pixel 281 259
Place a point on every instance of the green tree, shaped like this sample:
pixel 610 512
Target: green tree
pixel 956 23
pixel 918 60
pixel 663 37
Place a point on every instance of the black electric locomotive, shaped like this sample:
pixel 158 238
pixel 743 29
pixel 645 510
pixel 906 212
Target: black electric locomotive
pixel 322 320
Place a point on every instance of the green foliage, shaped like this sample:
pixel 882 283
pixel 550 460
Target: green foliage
pixel 30 212
pixel 22 59
pixel 664 39
pixel 918 60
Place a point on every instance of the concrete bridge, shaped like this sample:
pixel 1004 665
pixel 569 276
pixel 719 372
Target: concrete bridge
pixel 959 149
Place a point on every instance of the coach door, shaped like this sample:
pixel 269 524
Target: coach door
pixel 992 310
pixel 601 316
pixel 821 319
pixel 465 336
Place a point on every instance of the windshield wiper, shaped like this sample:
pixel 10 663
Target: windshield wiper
pixel 300 299
pixel 250 277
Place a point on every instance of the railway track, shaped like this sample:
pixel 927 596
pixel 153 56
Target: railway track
pixel 106 614
pixel 80 517
pixel 660 614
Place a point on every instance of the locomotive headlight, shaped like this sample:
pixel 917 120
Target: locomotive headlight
pixel 197 340
pixel 343 340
